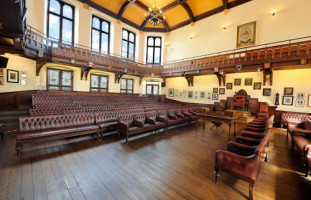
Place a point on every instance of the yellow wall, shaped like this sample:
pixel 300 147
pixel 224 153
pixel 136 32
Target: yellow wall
pixel 292 20
pixel 298 79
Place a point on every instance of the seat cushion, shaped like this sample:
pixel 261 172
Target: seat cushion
pixel 301 142
pixel 55 132
pixel 108 124
pixel 134 128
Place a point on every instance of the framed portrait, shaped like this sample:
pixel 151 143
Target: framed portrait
pixel 196 95
pixel 222 90
pixel 180 94
pixel 257 86
pixel 309 100
pixel 237 81
pixel 215 90
pixel 229 86
pixel 23 81
pixel 171 92
pixel 190 94
pixel 300 95
pixel 266 92
pixel 176 93
pixel 12 76
pixel 202 95
pixel 288 100
pixel 248 81
pixel 246 35
pixel 300 103
pixel 288 91
pixel 215 97
pixel 209 96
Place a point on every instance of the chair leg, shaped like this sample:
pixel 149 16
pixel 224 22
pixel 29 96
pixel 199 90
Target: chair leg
pixel 266 157
pixel 217 173
pixel 19 147
pixel 292 143
pixel 251 191
pixel 126 139
pixel 306 169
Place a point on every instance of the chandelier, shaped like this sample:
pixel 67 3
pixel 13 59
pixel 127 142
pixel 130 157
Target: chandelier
pixel 155 16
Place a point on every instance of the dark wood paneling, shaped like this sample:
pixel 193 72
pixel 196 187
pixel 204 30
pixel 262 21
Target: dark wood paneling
pixel 11 100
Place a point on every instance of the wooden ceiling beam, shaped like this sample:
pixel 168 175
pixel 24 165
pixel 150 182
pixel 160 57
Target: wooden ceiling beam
pixel 225 4
pixel 124 6
pixel 141 6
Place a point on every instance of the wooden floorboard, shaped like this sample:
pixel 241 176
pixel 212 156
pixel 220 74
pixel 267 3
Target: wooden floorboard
pixel 177 164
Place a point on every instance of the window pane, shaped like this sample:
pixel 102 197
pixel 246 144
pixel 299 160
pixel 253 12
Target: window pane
pixel 105 26
pixel 53 77
pixel 131 48
pixel 104 43
pixel 94 81
pixel 149 89
pixel 130 91
pixel 53 88
pixel 130 84
pixel 54 6
pixel 67 31
pixel 103 82
pixel 150 55
pixel 132 37
pixel 67 11
pixel 157 55
pixel 155 89
pixel 103 90
pixel 158 42
pixel 150 41
pixel 96 23
pixel 124 49
pixel 94 90
pixel 54 23
pixel 67 88
pixel 124 35
pixel 95 40
pixel 66 78
pixel 123 91
pixel 123 83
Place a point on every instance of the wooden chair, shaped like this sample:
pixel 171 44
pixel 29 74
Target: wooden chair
pixel 264 111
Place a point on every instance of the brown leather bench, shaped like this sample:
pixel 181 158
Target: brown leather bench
pixel 107 121
pixel 293 118
pixel 44 128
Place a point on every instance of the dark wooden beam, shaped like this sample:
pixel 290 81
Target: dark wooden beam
pixel 141 6
pixel 125 5
pixel 187 9
pixel 225 4
pixel 221 78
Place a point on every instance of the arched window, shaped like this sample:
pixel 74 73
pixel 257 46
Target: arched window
pixel 100 35
pixel 128 44
pixel 60 24
pixel 154 49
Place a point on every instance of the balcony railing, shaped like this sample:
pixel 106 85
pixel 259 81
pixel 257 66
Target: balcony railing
pixel 277 51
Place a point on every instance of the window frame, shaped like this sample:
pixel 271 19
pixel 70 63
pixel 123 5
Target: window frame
pixel 60 80
pixel 126 86
pixel 154 47
pixel 128 43
pixel 100 33
pixel 99 88
pixel 152 88
pixel 61 17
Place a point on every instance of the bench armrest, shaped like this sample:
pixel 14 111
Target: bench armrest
pixel 138 123
pixel 123 126
pixel 171 116
pixel 150 121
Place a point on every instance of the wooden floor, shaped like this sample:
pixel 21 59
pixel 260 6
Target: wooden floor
pixel 177 164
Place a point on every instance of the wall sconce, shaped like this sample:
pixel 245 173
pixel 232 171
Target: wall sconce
pixel 258 70
pixel 273 12
pixel 224 27
pixel 191 37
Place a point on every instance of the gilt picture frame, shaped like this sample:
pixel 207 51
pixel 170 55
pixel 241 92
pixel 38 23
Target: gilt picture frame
pixel 246 35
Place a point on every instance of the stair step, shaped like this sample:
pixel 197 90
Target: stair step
pixel 14 112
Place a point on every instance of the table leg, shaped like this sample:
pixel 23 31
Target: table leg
pixel 234 128
pixel 229 129
pixel 203 123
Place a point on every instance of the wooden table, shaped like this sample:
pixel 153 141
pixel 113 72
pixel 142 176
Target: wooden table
pixel 218 117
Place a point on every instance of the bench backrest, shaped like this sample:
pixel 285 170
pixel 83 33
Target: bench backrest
pixel 101 117
pixel 39 123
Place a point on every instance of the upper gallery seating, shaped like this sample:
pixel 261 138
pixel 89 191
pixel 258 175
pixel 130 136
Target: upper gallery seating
pixel 56 115
pixel 301 138
pixel 243 157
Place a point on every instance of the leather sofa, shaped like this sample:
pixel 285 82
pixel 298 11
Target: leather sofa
pixel 293 118
pixel 52 127
pixel 242 160
pixel 107 121
pixel 301 138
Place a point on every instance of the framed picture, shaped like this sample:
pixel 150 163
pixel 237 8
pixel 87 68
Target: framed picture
pixel 300 96
pixel 221 90
pixel 23 81
pixel 185 94
pixel 300 103
pixel 215 97
pixel 190 94
pixel 248 81
pixel 215 90
pixel 171 92
pixel 309 100
pixel 266 92
pixel 209 96
pixel 12 76
pixel 180 94
pixel 237 81
pixel 257 86
pixel 196 95
pixel 176 93
pixel 288 91
pixel 202 95
pixel 288 100
pixel 246 35
pixel 229 86
pixel 23 74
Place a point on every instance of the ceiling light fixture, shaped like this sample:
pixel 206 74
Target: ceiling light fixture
pixel 155 15
pixel 273 12
pixel 224 27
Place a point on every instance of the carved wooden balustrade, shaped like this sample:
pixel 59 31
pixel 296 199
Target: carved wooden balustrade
pixel 62 52
pixel 247 56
